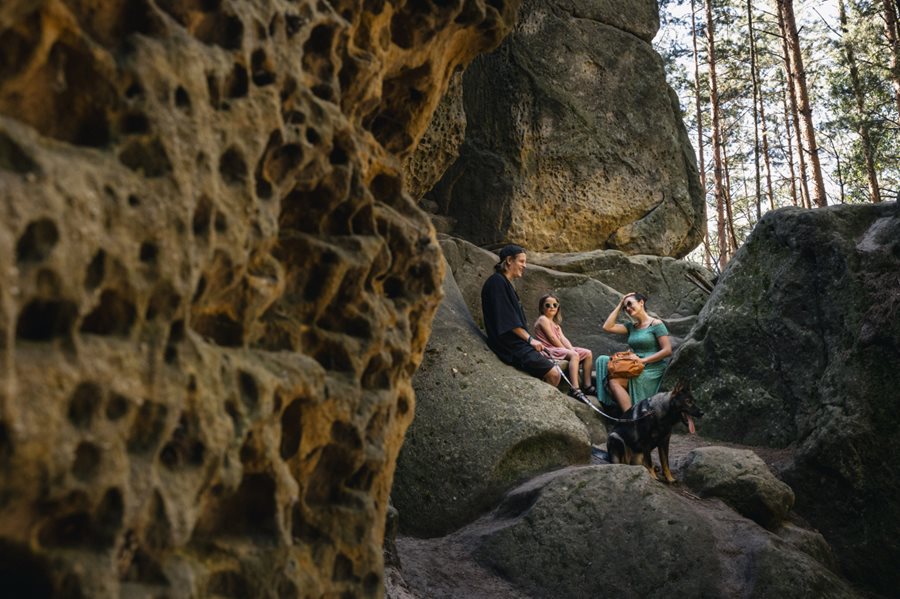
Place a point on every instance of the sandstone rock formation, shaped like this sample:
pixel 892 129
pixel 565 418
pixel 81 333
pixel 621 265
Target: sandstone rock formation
pixel 579 145
pixel 480 428
pixel 214 288
pixel 439 146
pixel 799 344
pixel 741 479
pixel 611 531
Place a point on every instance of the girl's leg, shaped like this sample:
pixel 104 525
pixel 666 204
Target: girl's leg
pixel 587 366
pixel 573 368
pixel 619 390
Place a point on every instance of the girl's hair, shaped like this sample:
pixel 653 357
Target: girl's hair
pixel 557 318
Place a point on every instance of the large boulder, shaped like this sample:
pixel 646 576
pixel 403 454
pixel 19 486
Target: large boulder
pixel 612 531
pixel 480 428
pixel 799 345
pixel 676 288
pixel 741 479
pixel 580 145
pixel 214 289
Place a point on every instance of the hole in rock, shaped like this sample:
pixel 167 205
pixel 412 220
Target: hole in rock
pixel 263 73
pixel 222 30
pixel 24 573
pixel 182 99
pixel 232 166
pixel 147 157
pixel 238 84
pixel 291 429
pixel 134 123
pixel 108 518
pixel 342 569
pixel 96 270
pixel 248 512
pixel 249 389
pixel 84 403
pixel 219 328
pixel 148 252
pixel 38 240
pixel 87 461
pixel 202 217
pixel 45 320
pixel 117 406
pixel 325 487
pixel 114 316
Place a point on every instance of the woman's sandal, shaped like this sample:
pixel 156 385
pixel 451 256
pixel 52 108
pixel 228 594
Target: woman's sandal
pixel 592 390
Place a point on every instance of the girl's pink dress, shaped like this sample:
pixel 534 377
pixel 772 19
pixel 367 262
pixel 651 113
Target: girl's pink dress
pixel 557 353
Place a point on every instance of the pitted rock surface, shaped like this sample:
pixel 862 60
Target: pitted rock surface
pixel 214 289
pixel 580 145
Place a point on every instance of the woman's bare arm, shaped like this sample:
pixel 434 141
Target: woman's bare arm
pixel 611 325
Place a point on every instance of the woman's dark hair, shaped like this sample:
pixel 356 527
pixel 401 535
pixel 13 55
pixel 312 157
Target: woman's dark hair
pixel 640 297
pixel 557 318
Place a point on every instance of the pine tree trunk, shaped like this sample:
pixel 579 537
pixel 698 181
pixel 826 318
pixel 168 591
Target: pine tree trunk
pixel 765 151
pixel 862 126
pixel 698 104
pixel 795 117
pixel 892 32
pixel 754 78
pixel 790 142
pixel 716 138
pixel 729 213
pixel 697 97
pixel 803 106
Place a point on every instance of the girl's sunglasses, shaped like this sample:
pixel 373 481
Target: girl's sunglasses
pixel 549 305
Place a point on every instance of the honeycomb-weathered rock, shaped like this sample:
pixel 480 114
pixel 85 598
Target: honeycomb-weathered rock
pixel 213 287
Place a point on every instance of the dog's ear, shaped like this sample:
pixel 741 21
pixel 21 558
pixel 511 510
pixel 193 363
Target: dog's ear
pixel 678 388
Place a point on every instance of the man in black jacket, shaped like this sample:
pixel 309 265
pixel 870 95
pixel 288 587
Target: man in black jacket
pixel 504 319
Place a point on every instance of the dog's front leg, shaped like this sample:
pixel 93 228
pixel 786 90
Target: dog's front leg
pixel 647 462
pixel 663 451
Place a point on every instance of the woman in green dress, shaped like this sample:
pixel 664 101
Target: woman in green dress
pixel 648 337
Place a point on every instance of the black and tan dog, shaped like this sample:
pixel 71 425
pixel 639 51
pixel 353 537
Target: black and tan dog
pixel 654 417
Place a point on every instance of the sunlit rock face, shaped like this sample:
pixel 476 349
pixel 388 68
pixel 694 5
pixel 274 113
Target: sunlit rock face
pixel 574 141
pixel 213 287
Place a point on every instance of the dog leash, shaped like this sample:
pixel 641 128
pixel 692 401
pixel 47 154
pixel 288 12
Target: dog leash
pixel 595 408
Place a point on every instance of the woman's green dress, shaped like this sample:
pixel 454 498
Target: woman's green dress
pixel 643 342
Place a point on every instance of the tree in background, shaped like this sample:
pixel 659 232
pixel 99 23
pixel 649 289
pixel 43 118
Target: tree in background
pixel 767 145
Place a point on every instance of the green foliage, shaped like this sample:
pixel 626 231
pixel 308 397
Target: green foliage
pixel 835 113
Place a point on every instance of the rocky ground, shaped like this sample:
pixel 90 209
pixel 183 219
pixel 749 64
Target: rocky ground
pixel 445 567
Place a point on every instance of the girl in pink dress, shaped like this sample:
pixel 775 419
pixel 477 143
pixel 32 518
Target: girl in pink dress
pixel 558 347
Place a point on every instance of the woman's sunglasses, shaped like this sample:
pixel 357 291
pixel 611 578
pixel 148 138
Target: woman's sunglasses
pixel 549 305
pixel 630 304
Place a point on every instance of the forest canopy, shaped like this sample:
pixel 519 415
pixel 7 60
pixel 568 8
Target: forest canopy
pixel 788 103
